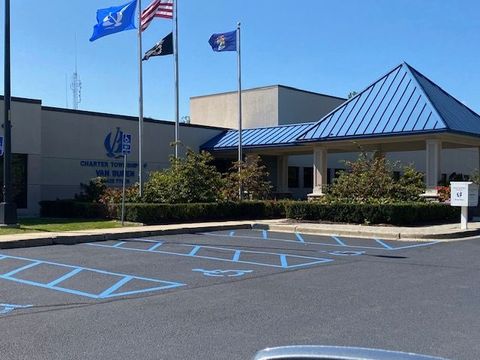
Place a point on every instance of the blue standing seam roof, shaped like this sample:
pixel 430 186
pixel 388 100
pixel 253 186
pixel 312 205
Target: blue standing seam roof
pixel 266 136
pixel 401 102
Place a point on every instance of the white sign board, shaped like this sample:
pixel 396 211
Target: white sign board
pixel 463 193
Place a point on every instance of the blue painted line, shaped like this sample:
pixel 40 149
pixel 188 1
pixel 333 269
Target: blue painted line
pixel 386 246
pixel 283 261
pixel 315 260
pixel 10 307
pixel 236 256
pixel 64 277
pixel 152 248
pixel 28 266
pixel 296 241
pixel 194 251
pixel 265 234
pixel 231 233
pixel 337 239
pixel 76 269
pixel 119 244
pixel 300 237
pixel 416 245
pixel 116 286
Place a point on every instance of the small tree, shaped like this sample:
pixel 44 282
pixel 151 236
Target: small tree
pixel 188 180
pixel 253 177
pixel 370 178
pixel 92 191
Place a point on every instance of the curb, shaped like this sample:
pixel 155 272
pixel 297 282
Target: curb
pixel 367 233
pixel 72 238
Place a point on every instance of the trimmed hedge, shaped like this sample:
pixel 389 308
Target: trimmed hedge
pixel 73 209
pixel 395 214
pixel 166 213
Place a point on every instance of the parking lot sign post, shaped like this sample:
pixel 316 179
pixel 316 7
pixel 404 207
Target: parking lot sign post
pixel 463 194
pixel 126 149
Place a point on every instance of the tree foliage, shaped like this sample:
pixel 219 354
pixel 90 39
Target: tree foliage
pixel 253 178
pixel 370 179
pixel 192 179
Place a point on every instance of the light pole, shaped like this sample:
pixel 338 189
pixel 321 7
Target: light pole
pixel 8 210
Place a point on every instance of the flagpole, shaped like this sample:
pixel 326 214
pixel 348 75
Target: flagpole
pixel 240 157
pixel 140 101
pixel 175 56
pixel 8 210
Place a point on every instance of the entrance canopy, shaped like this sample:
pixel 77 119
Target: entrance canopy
pixel 401 106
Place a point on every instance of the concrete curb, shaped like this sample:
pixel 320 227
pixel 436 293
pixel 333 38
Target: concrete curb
pixel 388 233
pixel 72 238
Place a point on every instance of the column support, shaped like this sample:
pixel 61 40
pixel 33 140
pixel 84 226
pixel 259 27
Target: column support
pixel 282 174
pixel 319 172
pixel 433 150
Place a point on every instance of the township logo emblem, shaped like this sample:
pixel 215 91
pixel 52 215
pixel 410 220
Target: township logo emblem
pixel 221 42
pixel 113 20
pixel 113 144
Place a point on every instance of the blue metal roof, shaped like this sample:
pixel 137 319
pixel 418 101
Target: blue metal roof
pixel 402 102
pixel 258 137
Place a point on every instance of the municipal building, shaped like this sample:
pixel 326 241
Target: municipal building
pixel 303 137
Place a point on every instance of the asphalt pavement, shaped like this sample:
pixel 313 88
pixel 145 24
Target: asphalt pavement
pixel 228 294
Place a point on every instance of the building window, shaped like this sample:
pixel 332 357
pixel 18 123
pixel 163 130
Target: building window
pixel 293 176
pixel 19 179
pixel 308 177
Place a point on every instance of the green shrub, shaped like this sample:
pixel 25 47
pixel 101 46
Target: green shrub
pixel 188 180
pixel 357 213
pixel 92 191
pixel 73 209
pixel 253 178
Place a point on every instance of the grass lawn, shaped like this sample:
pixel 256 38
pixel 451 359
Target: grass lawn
pixel 52 224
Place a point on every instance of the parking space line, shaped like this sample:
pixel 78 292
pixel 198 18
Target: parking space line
pixel 53 285
pixel 119 244
pixel 339 242
pixel 231 233
pixel 300 237
pixel 236 255
pixel 265 234
pixel 64 277
pixel 384 244
pixel 337 239
pixel 28 266
pixel 155 246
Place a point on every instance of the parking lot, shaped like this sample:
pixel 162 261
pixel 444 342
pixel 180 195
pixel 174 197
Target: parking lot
pixel 227 294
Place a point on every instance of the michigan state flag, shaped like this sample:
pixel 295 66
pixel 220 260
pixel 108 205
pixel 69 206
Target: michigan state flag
pixel 114 19
pixel 224 41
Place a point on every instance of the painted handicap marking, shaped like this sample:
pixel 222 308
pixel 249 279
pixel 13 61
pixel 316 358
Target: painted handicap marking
pixel 346 253
pixel 277 260
pixel 223 273
pixel 338 242
pixel 122 285
pixel 8 308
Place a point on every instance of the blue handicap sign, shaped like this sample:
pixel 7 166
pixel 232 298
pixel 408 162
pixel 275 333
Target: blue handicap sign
pixel 126 144
pixel 223 273
pixel 1 145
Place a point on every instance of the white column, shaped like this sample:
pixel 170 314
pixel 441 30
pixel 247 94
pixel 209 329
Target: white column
pixel 282 173
pixel 432 175
pixel 319 171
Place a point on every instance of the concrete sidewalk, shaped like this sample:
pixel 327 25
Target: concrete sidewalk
pixel 433 232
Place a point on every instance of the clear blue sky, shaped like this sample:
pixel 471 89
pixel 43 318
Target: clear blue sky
pixel 331 47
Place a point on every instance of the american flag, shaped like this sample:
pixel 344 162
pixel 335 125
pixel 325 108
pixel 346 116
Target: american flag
pixel 158 8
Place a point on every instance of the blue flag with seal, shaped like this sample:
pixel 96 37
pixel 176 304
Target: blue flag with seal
pixel 224 41
pixel 114 19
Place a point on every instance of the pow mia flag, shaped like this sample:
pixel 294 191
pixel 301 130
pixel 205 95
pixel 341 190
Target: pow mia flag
pixel 163 47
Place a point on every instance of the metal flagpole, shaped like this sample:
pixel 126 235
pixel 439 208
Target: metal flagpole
pixel 140 100
pixel 240 157
pixel 8 210
pixel 175 46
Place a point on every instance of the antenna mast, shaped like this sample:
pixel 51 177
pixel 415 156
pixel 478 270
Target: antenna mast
pixel 76 84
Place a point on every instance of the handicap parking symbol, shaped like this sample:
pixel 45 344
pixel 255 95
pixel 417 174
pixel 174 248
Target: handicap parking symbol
pixel 223 273
pixel 7 308
pixel 346 253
